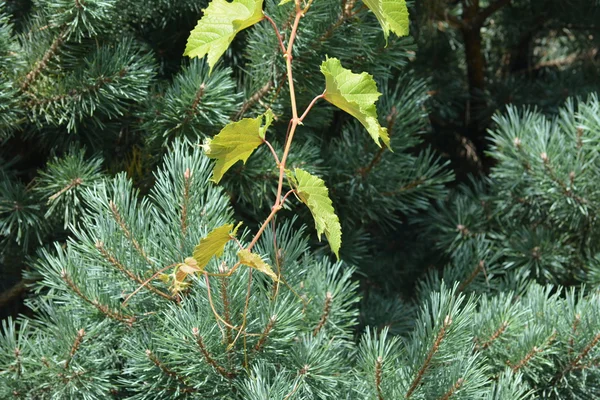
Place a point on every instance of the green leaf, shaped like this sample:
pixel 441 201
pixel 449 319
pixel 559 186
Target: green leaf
pixel 356 94
pixel 212 245
pixel 235 142
pixel 254 261
pixel 312 191
pixel 391 14
pixel 222 20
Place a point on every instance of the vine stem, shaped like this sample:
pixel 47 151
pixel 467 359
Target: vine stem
pixel 265 141
pixel 276 31
pixel 294 124
pixel 312 103
pixel 160 271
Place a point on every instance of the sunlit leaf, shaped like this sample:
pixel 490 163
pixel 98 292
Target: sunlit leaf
pixel 222 20
pixel 212 245
pixel 235 142
pixel 253 260
pixel 312 191
pixel 391 14
pixel 356 94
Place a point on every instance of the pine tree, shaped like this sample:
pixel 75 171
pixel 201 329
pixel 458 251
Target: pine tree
pixel 121 307
pixel 483 54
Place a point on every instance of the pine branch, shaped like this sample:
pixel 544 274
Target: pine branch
pixel 166 370
pixel 453 389
pixel 494 336
pixel 256 97
pixel 127 232
pixel 75 347
pixel 77 94
pixel 575 363
pixel 427 363
pixel 535 350
pixel 43 63
pixel 129 320
pixel 74 183
pixel 324 314
pixel 265 334
pixel 113 260
pixel 480 267
pixel 184 203
pixel 378 372
pixel 208 357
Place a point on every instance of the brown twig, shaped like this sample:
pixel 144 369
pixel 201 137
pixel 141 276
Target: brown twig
pixel 575 363
pixel 378 373
pixel 265 334
pixel 494 336
pixel 184 203
pixel 535 350
pixel 463 285
pixel 208 357
pixel 324 314
pixel 259 94
pixel 43 63
pixel 74 183
pixel 127 232
pixel 75 347
pixel 453 389
pixel 126 319
pixel 574 332
pixel 166 370
pixel 113 260
pixel 427 362
pixel 226 308
pixel 12 293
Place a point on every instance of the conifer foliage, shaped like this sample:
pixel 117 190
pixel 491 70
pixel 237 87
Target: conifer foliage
pixel 147 285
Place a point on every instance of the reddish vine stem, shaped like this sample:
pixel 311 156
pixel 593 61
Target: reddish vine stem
pixel 276 32
pixel 312 103
pixel 265 141
pixel 146 282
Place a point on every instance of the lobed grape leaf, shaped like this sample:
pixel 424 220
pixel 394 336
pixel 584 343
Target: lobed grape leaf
pixel 391 14
pixel 222 20
pixel 213 245
pixel 253 260
pixel 312 191
pixel 235 142
pixel 356 94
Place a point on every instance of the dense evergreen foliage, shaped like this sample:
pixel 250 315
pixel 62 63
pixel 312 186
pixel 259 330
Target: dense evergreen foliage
pixel 469 265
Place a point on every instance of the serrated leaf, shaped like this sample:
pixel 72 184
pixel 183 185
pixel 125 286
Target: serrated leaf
pixel 391 14
pixel 222 20
pixel 312 191
pixel 235 142
pixel 212 245
pixel 356 94
pixel 253 260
